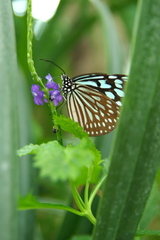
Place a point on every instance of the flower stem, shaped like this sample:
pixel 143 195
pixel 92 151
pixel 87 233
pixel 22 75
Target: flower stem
pixel 30 61
pixel 32 69
pixel 58 132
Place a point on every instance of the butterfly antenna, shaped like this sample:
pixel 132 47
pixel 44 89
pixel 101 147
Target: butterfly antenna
pixel 53 64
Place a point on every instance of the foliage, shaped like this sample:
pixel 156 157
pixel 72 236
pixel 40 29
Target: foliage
pixel 82 36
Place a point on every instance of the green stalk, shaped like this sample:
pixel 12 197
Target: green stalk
pixel 86 212
pixel 32 69
pixel 86 191
pixel 94 192
pixel 77 197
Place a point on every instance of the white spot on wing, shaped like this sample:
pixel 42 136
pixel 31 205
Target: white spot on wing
pixel 98 118
pixel 100 105
pixel 125 78
pixel 90 83
pixel 102 114
pixel 112 76
pixel 119 103
pixel 119 92
pixel 109 102
pixel 89 114
pixel 108 105
pixel 118 81
pixel 103 123
pixel 118 85
pixel 111 111
pixel 110 95
pixel 96 98
pixel 104 84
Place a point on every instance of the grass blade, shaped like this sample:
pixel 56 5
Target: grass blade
pixel 8 123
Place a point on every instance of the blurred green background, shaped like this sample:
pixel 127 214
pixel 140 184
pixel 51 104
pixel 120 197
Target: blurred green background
pixel 81 37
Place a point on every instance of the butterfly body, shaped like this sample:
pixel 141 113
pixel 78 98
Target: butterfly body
pixel 94 100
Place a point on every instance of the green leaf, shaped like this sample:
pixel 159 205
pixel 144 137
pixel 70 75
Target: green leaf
pixel 70 126
pixel 28 149
pixel 140 233
pixel 9 124
pixel 30 202
pixel 62 163
pixel 152 208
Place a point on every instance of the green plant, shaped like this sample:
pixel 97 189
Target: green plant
pixel 134 158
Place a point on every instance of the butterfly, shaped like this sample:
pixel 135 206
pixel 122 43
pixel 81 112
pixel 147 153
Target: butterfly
pixel 94 100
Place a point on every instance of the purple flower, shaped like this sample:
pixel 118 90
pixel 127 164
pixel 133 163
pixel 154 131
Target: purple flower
pixel 51 84
pixel 37 94
pixel 54 93
pixel 55 96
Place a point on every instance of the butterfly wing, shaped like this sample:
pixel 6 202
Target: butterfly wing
pixel 94 111
pixel 110 85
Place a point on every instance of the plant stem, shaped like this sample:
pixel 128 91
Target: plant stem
pixel 94 192
pixel 77 197
pixel 32 69
pixel 58 132
pixel 86 211
pixel 86 191
pixel 90 217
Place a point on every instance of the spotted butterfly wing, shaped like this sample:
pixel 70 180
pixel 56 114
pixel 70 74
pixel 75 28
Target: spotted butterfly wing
pixel 93 100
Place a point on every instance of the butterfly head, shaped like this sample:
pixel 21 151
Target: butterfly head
pixel 64 77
